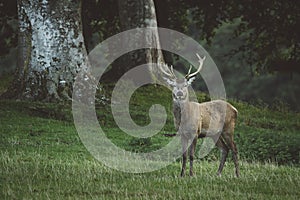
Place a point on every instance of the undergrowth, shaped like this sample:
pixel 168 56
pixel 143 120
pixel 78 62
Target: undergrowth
pixel 42 156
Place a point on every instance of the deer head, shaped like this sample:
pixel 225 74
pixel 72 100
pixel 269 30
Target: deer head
pixel 180 85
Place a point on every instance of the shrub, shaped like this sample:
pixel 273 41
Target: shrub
pixel 269 146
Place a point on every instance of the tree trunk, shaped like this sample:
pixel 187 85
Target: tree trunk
pixel 138 14
pixel 51 49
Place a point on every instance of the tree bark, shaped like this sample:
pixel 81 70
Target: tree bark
pixel 51 49
pixel 139 14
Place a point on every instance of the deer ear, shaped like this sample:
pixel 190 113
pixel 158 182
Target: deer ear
pixel 170 82
pixel 189 82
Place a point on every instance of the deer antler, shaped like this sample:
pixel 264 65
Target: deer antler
pixel 170 72
pixel 201 61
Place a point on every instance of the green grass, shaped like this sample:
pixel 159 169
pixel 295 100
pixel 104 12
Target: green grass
pixel 42 157
pixel 38 176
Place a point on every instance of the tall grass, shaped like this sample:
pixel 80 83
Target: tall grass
pixel 42 157
pixel 38 176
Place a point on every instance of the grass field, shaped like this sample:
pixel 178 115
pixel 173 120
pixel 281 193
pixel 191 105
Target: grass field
pixel 42 157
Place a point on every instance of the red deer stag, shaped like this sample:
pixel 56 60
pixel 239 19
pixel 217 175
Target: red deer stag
pixel 215 119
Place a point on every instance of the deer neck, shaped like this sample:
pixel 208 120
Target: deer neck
pixel 181 110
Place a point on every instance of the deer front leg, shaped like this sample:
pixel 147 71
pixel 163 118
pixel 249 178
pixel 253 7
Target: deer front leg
pixel 184 143
pixel 192 152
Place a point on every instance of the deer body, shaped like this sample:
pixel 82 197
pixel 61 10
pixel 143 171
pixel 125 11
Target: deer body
pixel 194 120
pixel 214 119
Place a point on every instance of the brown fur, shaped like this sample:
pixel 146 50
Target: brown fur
pixel 214 119
pixel 194 120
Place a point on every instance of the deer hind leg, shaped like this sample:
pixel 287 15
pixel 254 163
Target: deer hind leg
pixel 235 159
pixel 224 153
pixel 192 152
pixel 230 143
pixel 184 143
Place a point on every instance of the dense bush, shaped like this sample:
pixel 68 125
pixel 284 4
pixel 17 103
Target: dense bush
pixel 269 146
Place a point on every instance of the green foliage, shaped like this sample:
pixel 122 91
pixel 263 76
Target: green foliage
pixel 272 41
pixel 100 21
pixel 279 90
pixel 267 135
pixel 270 146
pixel 275 37
pixel 271 34
pixel 41 156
